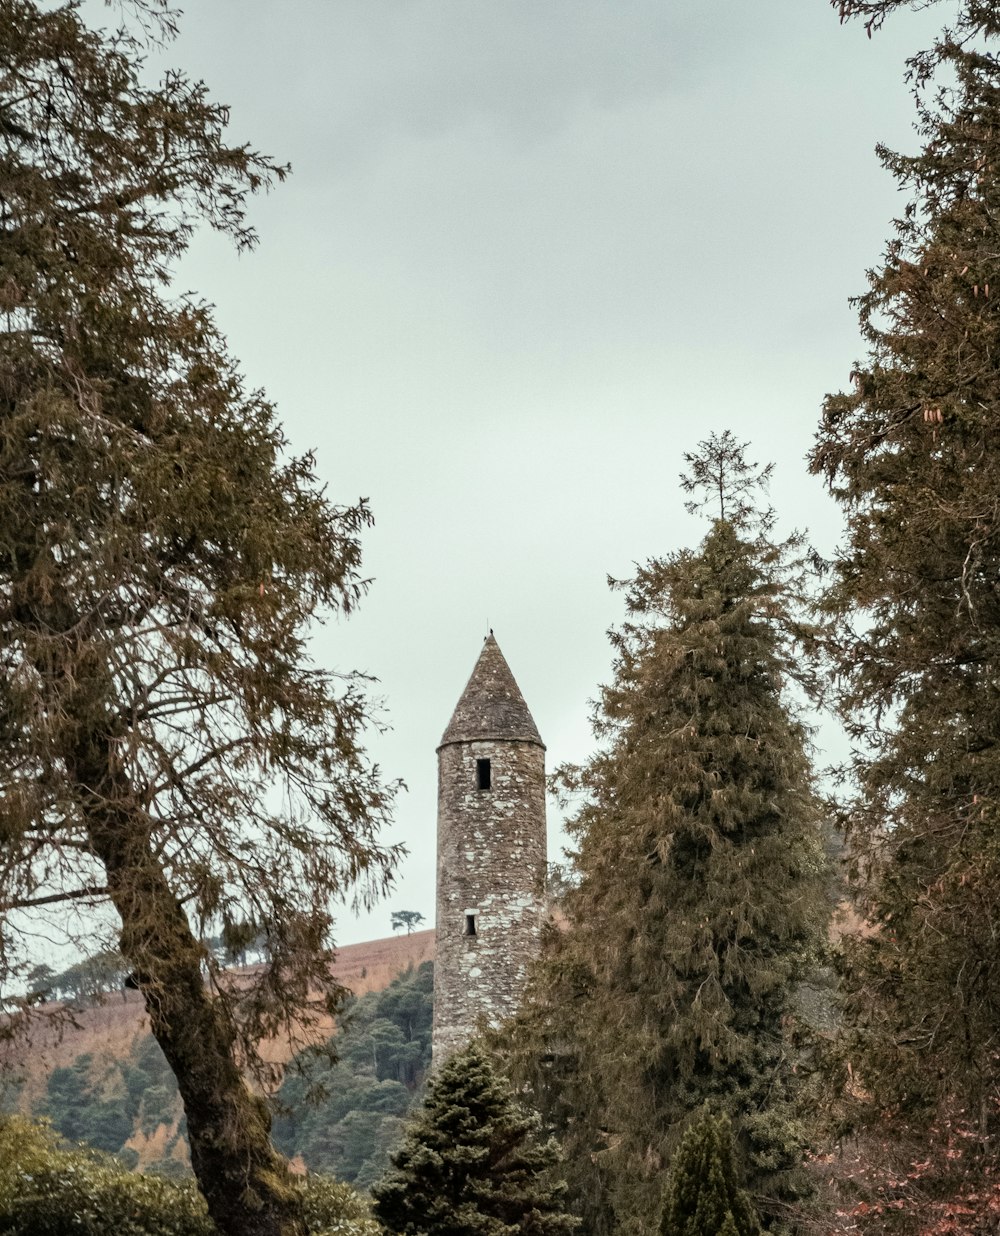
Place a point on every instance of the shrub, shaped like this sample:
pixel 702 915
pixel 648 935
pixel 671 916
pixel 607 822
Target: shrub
pixel 333 1208
pixel 47 1189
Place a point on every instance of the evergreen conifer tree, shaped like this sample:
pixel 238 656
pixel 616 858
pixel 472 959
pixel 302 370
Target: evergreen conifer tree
pixel 473 1163
pixel 703 1197
pixel 700 899
pixel 912 453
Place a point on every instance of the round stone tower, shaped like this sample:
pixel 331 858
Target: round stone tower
pixel 490 853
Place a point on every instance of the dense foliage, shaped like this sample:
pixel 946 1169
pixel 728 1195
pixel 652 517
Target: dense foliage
pixel 347 1116
pixel 106 1107
pixel 703 1196
pixel 912 453
pixel 81 1112
pixel 473 1163
pixel 47 1189
pixel 162 557
pixel 700 903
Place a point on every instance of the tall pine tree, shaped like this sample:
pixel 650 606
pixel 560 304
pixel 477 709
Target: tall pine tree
pixel 912 453
pixel 700 903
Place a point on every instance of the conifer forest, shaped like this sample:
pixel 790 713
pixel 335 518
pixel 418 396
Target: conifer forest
pixel 766 997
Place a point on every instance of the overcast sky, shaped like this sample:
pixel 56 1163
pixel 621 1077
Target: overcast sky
pixel 530 253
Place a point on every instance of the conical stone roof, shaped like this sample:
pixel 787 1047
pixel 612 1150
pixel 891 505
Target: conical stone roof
pixel 491 705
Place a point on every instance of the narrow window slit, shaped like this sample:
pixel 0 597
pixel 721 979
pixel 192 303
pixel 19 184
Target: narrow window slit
pixel 470 925
pixel 483 774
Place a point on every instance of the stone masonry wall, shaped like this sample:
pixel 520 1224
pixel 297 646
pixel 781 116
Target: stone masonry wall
pixel 491 863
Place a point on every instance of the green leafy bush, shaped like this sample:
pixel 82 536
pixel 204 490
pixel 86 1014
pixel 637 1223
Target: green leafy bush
pixel 47 1189
pixel 333 1208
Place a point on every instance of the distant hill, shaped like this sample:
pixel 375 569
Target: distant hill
pixel 104 1081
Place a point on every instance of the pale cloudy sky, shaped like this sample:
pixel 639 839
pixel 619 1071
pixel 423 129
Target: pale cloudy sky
pixel 532 251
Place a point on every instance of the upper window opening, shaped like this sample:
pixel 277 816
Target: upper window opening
pixel 483 774
pixel 470 924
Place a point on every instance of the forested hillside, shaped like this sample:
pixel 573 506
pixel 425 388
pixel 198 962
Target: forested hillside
pixel 108 1085
pixel 359 1102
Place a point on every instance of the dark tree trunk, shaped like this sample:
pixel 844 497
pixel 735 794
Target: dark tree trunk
pixel 245 1182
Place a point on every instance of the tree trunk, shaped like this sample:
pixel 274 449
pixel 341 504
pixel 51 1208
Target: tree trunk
pixel 245 1182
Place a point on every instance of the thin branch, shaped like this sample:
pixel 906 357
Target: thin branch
pixel 92 891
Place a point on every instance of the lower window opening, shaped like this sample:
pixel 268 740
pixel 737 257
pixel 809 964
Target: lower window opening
pixel 470 925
